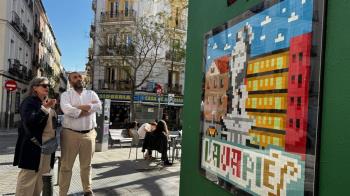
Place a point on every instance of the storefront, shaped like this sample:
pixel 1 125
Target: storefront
pixel 148 107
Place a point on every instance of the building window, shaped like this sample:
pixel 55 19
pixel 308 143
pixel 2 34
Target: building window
pixel 112 40
pixel 292 101
pixel 293 79
pixel 126 8
pixel 290 123
pixel 117 7
pixel 300 56
pixel 112 10
pixel 300 80
pixel 222 83
pixel 299 102
pixel 294 58
pixel 212 70
pixel 297 123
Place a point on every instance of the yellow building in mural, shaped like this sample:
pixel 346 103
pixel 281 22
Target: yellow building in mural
pixel 267 84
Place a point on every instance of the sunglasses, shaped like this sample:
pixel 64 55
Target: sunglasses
pixel 45 85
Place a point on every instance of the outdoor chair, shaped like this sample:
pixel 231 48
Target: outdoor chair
pixel 175 143
pixel 136 141
pixel 119 135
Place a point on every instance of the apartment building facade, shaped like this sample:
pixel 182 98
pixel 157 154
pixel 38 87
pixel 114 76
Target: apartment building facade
pixel 116 18
pixel 25 40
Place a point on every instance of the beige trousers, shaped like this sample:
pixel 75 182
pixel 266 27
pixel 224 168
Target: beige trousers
pixel 29 182
pixel 72 144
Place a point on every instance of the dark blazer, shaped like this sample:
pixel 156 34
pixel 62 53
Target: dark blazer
pixel 27 154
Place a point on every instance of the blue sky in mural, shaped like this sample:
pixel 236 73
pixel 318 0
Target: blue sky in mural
pixel 272 29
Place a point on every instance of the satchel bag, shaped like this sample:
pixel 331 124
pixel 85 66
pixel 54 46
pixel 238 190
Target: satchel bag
pixel 49 146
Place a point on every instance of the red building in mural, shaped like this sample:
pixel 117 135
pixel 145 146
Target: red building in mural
pixel 298 94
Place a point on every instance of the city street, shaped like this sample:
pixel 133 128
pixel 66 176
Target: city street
pixel 113 173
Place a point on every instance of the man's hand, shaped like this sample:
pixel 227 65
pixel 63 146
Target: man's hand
pixel 48 103
pixel 84 113
pixel 85 108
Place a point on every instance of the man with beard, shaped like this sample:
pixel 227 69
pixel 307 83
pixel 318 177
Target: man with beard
pixel 78 135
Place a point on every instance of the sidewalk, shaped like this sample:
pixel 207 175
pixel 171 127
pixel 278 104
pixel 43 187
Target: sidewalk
pixel 113 174
pixel 7 132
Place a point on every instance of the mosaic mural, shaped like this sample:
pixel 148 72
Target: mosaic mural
pixel 260 100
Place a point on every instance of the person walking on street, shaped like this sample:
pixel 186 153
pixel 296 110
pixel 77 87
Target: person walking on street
pixel 78 135
pixel 37 127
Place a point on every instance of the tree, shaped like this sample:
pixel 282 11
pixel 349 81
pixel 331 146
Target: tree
pixel 176 53
pixel 140 48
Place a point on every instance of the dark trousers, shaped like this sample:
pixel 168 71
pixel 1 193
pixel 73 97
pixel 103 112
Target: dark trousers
pixel 156 141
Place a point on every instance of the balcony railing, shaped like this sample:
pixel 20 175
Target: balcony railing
pixel 94 5
pixel 91 54
pixel 30 39
pixel 175 88
pixel 117 85
pixel 49 48
pixel 179 26
pixel 16 21
pixel 174 56
pixel 129 15
pixel 119 50
pixel 23 72
pixel 14 67
pixel 37 32
pixel 29 75
pixel 24 32
pixel 30 5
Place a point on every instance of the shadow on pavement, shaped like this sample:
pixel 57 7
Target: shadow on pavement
pixel 144 184
pixel 126 167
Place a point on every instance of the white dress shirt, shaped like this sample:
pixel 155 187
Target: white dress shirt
pixel 70 100
pixel 146 127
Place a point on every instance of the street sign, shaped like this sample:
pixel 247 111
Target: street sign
pixel 171 100
pixel 11 85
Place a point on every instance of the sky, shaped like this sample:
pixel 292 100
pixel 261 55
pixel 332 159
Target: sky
pixel 273 28
pixel 71 20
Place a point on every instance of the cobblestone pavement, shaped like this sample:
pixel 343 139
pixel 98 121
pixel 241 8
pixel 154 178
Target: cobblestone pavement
pixel 113 174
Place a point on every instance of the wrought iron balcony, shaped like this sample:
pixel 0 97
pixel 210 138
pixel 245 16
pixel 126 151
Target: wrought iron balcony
pixel 24 32
pixel 175 88
pixel 30 5
pixel 14 67
pixel 49 49
pixel 16 21
pixel 174 56
pixel 117 85
pixel 180 25
pixel 119 50
pixel 23 72
pixel 37 32
pixel 92 31
pixel 94 5
pixel 128 15
pixel 30 39
pixel 29 75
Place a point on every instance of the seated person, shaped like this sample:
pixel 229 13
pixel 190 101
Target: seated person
pixel 158 140
pixel 146 127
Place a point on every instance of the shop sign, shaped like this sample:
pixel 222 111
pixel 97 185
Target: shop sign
pixel 142 98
